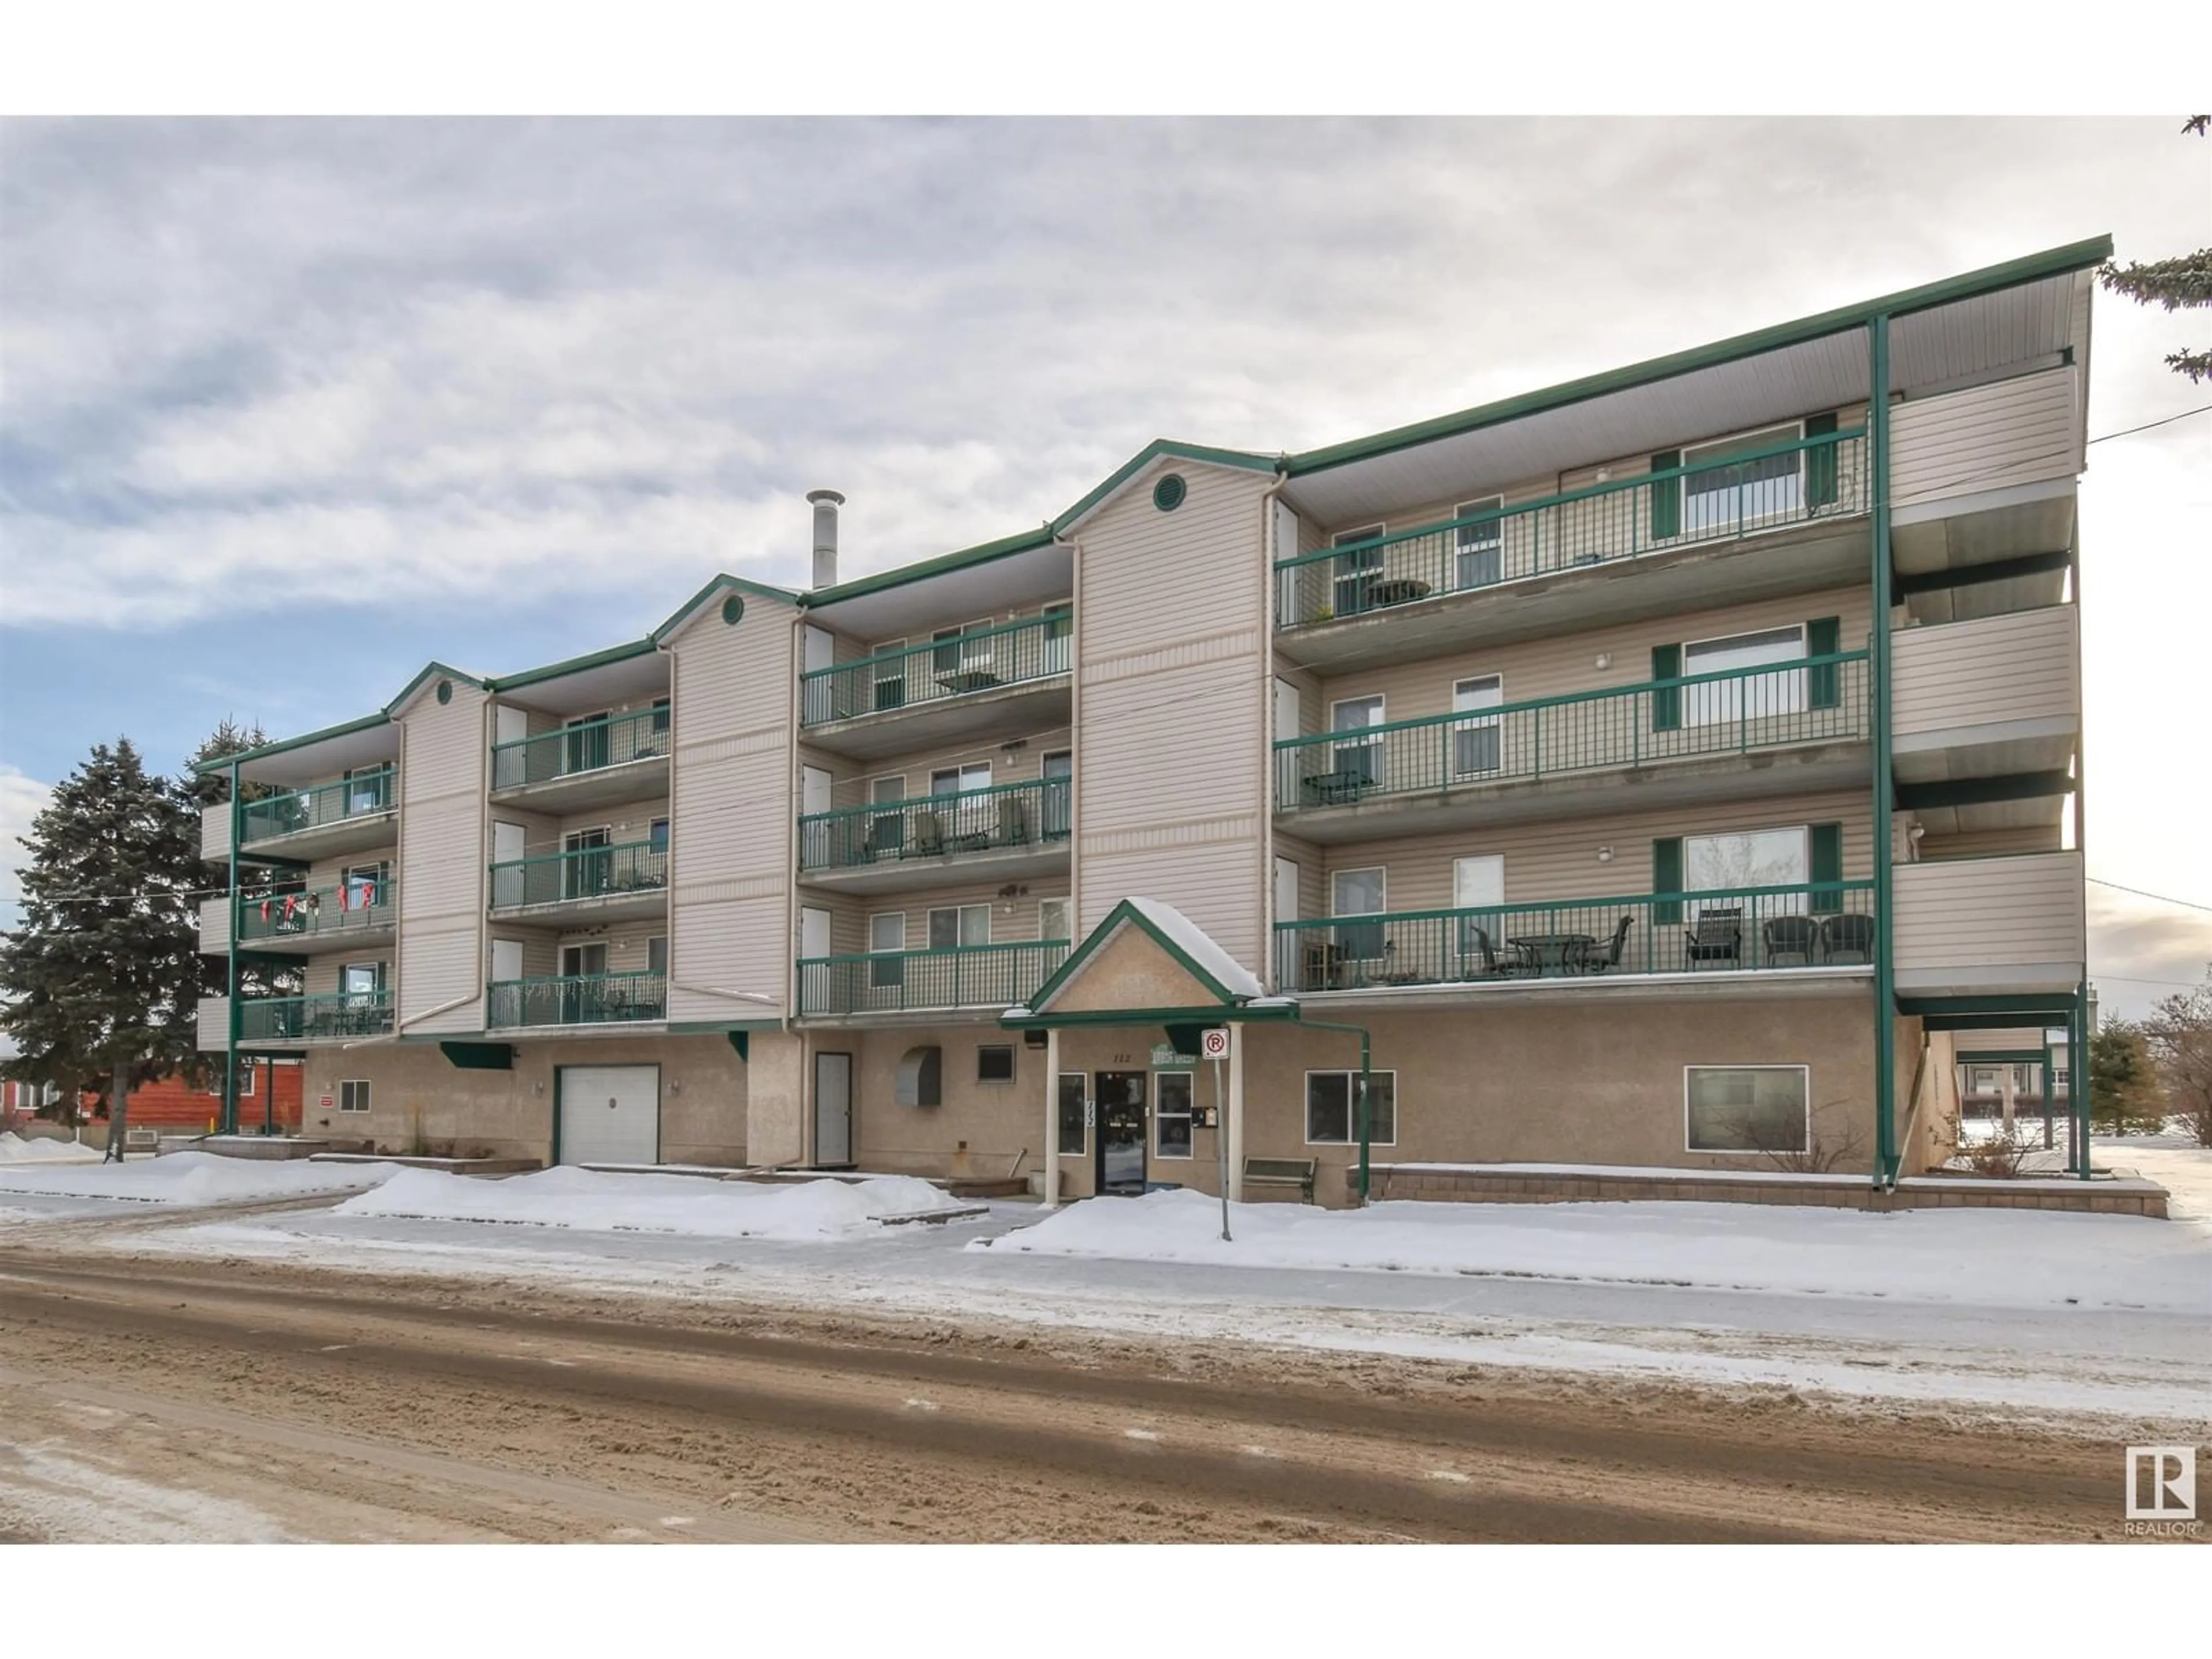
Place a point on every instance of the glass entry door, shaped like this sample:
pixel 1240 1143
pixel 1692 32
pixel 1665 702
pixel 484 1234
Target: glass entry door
pixel 1121 1096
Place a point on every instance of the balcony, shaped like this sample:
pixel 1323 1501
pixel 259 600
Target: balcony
pixel 315 919
pixel 1009 678
pixel 589 763
pixel 1995 695
pixel 1803 502
pixel 349 816
pixel 1010 830
pixel 1704 737
pixel 1749 931
pixel 332 1017
pixel 989 976
pixel 1990 926
pixel 577 1000
pixel 612 883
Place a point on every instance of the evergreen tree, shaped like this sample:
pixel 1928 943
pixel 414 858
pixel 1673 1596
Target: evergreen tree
pixel 2125 1096
pixel 98 985
pixel 2184 280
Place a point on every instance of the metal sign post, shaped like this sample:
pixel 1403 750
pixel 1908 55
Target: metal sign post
pixel 1215 1046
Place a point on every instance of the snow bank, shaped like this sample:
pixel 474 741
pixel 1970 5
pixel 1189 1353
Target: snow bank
pixel 16 1149
pixel 193 1178
pixel 596 1201
pixel 2018 1258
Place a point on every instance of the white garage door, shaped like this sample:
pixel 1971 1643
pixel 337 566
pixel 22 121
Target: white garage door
pixel 610 1115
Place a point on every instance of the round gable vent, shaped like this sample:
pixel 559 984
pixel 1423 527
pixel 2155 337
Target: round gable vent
pixel 733 608
pixel 445 690
pixel 1168 493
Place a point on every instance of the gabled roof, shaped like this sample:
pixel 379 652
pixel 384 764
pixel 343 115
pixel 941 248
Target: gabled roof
pixel 432 670
pixel 722 583
pixel 1152 452
pixel 1228 981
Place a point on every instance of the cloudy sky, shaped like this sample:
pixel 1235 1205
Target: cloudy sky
pixel 288 407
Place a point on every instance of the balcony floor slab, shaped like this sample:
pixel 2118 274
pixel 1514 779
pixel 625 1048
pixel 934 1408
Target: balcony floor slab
pixel 1852 980
pixel 894 874
pixel 612 907
pixel 1010 711
pixel 358 834
pixel 581 792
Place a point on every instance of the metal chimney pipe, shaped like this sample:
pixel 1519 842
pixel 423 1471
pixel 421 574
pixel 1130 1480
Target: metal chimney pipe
pixel 826 503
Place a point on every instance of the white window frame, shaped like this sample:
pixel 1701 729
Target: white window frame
pixel 969 656
pixel 661 940
pixel 1337 914
pixel 897 666
pixel 1792 904
pixel 380 976
pixel 883 975
pixel 1702 704
pixel 1468 924
pixel 1804 1074
pixel 1474 540
pixel 1476 721
pixel 960 914
pixel 347 1093
pixel 1346 738
pixel 1067 913
pixel 1189 1119
pixel 1351 1076
pixel 1776 429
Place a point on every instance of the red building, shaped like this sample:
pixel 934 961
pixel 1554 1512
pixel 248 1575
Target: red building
pixel 171 1103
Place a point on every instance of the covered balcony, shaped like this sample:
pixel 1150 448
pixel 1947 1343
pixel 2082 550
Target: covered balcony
pixel 316 918
pixel 577 1000
pixel 1701 737
pixel 595 761
pixel 1013 829
pixel 332 1017
pixel 982 976
pixel 965 683
pixel 1726 930
pixel 350 814
pixel 1808 494
pixel 612 883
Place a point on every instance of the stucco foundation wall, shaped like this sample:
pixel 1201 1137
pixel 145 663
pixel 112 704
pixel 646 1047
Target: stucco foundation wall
pixel 703 1089
pixel 980 1129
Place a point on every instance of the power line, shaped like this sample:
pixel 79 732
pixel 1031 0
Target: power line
pixel 2125 431
pixel 2163 898
pixel 2130 979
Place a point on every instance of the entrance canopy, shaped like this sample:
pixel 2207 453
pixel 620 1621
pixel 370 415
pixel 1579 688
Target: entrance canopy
pixel 1149 964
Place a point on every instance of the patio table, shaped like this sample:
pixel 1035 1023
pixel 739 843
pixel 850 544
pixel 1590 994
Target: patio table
pixel 1554 953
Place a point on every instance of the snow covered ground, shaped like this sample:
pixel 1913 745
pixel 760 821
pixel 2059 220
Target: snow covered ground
pixel 590 1200
pixel 189 1179
pixel 16 1150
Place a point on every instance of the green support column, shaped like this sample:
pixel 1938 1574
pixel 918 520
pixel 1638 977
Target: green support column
pixel 1885 1000
pixel 230 972
pixel 2077 1082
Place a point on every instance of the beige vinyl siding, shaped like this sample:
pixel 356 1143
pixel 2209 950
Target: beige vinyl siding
pixel 1566 663
pixel 1173 694
pixel 2026 665
pixel 625 822
pixel 320 974
pixel 214 1023
pixel 215 833
pixel 1960 915
pixel 1313 875
pixel 1013 920
pixel 1559 860
pixel 214 926
pixel 628 948
pixel 852 779
pixel 442 836
pixel 731 925
pixel 1984 843
pixel 2021 431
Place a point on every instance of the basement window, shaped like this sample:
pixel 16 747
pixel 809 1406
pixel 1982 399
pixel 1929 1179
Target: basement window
pixel 994 1063
pixel 353 1095
pixel 1747 1108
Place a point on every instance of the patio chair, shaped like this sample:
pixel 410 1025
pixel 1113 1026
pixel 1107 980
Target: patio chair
pixel 1790 936
pixel 928 834
pixel 1717 936
pixel 885 835
pixel 1610 956
pixel 1849 936
pixel 1480 961
pixel 1013 822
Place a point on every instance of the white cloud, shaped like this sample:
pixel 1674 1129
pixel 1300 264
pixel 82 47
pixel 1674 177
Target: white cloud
pixel 21 799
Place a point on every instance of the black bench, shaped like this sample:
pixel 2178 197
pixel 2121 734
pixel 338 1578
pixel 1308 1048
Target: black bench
pixel 1297 1172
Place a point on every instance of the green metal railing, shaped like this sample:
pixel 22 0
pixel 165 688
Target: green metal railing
pixel 586 746
pixel 1823 477
pixel 981 660
pixel 1750 929
pixel 357 906
pixel 363 795
pixel 331 1016
pixel 1003 815
pixel 967 976
pixel 582 872
pixel 1816 700
pixel 577 1000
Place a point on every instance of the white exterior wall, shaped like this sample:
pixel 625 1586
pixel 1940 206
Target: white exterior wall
pixel 215 833
pixel 2021 431
pixel 1982 924
pixel 734 796
pixel 1171 701
pixel 1995 671
pixel 443 847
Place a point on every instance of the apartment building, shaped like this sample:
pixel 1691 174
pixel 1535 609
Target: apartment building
pixel 1675 767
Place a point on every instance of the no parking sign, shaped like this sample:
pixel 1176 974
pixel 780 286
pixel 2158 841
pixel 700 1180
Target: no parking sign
pixel 1214 1042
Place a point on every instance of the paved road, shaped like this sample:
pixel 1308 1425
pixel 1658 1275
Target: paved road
pixel 145 1398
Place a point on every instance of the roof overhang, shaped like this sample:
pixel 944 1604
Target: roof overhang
pixel 939 593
